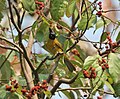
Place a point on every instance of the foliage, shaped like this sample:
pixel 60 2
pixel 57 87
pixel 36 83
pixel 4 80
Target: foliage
pixel 24 73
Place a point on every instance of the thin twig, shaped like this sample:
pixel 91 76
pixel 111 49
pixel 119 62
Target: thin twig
pixel 41 64
pixel 18 16
pixel 10 48
pixel 22 16
pixel 11 16
pixel 3 38
pixel 66 81
pixel 5 59
pixel 53 69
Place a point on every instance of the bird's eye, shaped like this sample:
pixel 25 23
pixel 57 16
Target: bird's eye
pixel 52 36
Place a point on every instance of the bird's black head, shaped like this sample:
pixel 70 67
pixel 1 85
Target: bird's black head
pixel 52 36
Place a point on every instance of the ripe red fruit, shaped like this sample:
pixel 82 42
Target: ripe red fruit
pixel 8 88
pixel 13 82
pixel 23 91
pixel 44 86
pixel 103 60
pixel 103 67
pixel 44 82
pixel 108 33
pixel 100 3
pixel 40 3
pixel 75 51
pixel 106 47
pixel 93 75
pixel 37 12
pixel 16 85
pixel 93 69
pixel 99 13
pixel 29 96
pixel 99 97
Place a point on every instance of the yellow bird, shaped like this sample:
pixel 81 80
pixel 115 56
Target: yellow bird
pixel 54 46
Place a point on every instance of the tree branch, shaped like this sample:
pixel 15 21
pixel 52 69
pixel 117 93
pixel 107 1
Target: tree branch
pixel 66 81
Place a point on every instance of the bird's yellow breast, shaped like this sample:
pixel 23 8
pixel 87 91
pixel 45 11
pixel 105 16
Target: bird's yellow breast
pixel 53 46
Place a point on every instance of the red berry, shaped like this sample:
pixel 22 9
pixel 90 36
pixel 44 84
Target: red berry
pixel 29 96
pixel 108 33
pixel 109 38
pixel 44 82
pixel 106 47
pixel 99 97
pixel 16 85
pixel 87 76
pixel 103 60
pixel 106 65
pixel 100 3
pixel 85 72
pixel 44 86
pixel 8 88
pixel 37 12
pixel 99 13
pixel 23 91
pixel 93 69
pixel 94 75
pixel 103 67
pixel 13 82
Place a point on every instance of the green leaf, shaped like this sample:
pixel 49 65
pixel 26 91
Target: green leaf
pixel 114 66
pixel 72 95
pixel 10 95
pixel 5 71
pixel 66 45
pixel 48 94
pixel 118 37
pixel 2 5
pixel 61 72
pixel 22 81
pixel 41 32
pixel 84 22
pixel 29 5
pixel 67 94
pixel 103 37
pixel 70 8
pixel 64 24
pixel 43 76
pixel 109 86
pixel 116 87
pixel 90 60
pixel 2 92
pixel 100 23
pixel 82 53
pixel 57 8
pixel 18 90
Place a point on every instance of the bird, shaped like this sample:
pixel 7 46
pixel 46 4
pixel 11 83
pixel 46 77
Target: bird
pixel 54 47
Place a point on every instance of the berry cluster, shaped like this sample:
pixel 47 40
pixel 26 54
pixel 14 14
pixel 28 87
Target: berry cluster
pixel 103 64
pixel 99 13
pixel 90 73
pixel 40 6
pixel 37 89
pixel 75 52
pixel 14 85
pixel 110 45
